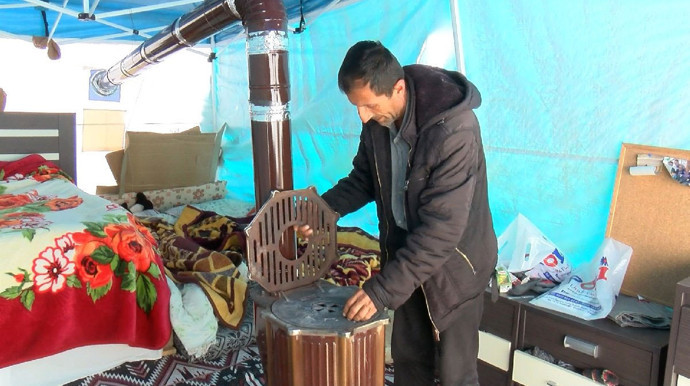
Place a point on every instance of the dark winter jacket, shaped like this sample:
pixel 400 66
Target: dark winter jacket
pixel 450 246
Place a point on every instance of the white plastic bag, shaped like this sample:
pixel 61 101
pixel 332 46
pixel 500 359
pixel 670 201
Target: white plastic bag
pixel 591 291
pixel 523 247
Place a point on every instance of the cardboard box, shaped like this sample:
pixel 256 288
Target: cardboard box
pixel 153 161
pixel 114 160
pixel 100 189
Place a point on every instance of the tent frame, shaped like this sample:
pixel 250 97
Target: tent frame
pixel 89 9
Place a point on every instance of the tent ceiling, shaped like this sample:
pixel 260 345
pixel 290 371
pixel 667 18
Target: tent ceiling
pixel 119 20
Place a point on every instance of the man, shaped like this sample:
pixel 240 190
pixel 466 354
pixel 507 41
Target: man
pixel 420 157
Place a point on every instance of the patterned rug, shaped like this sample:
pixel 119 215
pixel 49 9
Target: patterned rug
pixel 237 368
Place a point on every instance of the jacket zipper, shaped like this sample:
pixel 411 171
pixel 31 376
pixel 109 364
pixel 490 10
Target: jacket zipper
pixel 407 184
pixel 378 177
pixel 437 333
pixel 474 272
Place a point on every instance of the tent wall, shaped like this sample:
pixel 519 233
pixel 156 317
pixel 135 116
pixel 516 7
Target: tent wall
pixel 325 127
pixel 563 85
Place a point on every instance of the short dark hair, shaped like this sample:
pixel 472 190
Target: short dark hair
pixel 373 64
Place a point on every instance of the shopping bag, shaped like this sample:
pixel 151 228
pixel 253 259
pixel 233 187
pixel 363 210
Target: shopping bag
pixel 522 247
pixel 590 292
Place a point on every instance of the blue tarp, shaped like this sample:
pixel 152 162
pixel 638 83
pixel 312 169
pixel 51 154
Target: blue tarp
pixel 564 84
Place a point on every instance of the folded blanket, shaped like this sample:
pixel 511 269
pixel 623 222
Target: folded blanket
pixel 632 312
pixel 206 248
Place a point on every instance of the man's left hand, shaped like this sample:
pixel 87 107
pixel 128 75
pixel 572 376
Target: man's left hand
pixel 359 307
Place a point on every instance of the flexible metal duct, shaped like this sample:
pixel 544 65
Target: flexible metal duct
pixel 269 90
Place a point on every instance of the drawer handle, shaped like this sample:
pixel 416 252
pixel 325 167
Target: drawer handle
pixel 551 383
pixel 582 346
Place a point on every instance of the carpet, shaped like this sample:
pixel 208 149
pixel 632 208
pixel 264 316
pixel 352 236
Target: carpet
pixel 237 368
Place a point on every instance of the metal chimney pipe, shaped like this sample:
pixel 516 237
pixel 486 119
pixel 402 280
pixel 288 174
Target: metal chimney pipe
pixel 269 94
pixel 186 31
pixel 269 88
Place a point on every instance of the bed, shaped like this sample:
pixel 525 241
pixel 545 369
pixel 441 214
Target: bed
pixel 81 287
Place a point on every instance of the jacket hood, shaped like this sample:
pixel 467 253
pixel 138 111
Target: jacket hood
pixel 438 92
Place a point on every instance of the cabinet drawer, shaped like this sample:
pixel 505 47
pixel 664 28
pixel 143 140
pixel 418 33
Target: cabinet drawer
pixel 489 375
pixel 682 381
pixel 499 318
pixel 584 346
pixel 494 350
pixel 532 371
pixel 681 362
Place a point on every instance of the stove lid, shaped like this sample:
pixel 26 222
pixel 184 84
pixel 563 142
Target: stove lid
pixel 319 309
pixel 274 258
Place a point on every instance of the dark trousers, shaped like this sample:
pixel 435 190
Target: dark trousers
pixel 418 358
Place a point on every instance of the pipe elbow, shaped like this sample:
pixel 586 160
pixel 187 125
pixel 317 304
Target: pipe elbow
pixel 101 84
pixel 262 15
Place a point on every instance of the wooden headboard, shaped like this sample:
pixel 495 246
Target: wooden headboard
pixel 52 135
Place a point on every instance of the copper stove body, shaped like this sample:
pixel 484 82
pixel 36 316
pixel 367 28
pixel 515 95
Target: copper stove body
pixel 302 336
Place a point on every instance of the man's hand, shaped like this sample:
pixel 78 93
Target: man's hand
pixel 359 307
pixel 303 231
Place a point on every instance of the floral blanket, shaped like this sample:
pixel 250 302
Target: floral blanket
pixel 205 248
pixel 75 270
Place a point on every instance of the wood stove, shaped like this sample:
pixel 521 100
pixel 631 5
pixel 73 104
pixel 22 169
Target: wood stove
pixel 303 338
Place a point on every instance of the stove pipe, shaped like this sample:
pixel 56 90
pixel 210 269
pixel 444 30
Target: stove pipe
pixel 267 51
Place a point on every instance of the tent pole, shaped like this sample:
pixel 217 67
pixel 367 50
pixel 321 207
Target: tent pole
pixel 214 102
pixel 93 7
pixel 67 11
pixel 57 21
pixel 457 36
pixel 146 8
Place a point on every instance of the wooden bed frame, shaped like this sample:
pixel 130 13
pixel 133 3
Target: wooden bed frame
pixel 52 135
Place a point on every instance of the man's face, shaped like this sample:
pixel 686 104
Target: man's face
pixel 383 109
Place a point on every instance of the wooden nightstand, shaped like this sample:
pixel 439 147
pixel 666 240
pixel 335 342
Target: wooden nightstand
pixel 636 355
pixel 678 364
pixel 497 340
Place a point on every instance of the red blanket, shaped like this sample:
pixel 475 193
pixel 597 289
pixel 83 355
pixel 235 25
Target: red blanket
pixel 76 270
pixel 33 166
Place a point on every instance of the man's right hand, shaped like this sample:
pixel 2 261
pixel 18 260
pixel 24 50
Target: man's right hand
pixel 303 231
